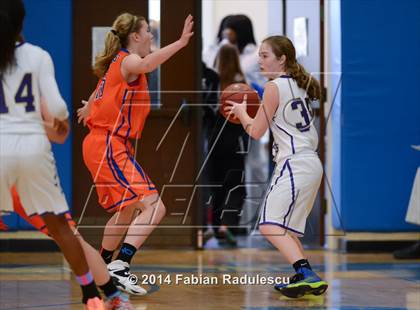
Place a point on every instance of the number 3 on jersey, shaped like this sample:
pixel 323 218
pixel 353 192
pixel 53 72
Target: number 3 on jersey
pixel 23 95
pixel 305 111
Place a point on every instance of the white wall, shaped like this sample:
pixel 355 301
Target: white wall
pixel 333 69
pixel 266 16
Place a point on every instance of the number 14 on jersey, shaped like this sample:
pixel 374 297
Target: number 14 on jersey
pixel 23 95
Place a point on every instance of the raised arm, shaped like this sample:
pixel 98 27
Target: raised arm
pixel 257 126
pixel 134 64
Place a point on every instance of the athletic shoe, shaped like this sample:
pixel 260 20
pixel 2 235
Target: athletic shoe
pixel 304 282
pixel 120 302
pixel 94 304
pixel 123 279
pixel 307 301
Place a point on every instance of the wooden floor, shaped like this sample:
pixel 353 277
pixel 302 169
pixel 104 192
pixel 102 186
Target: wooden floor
pixel 357 281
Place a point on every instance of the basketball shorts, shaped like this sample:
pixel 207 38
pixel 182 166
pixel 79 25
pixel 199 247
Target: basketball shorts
pixel 118 178
pixel 27 162
pixel 35 220
pixel 292 192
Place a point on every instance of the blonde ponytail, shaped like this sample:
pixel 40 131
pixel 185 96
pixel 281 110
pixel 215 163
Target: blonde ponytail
pixel 102 60
pixel 116 39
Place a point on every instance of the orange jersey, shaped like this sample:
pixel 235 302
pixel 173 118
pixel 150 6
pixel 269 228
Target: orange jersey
pixel 118 106
pixel 119 180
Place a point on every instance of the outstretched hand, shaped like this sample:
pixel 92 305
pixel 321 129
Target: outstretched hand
pixel 236 108
pixel 187 32
pixel 83 112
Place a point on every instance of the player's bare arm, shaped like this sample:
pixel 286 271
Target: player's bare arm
pixel 134 64
pixel 256 127
pixel 57 131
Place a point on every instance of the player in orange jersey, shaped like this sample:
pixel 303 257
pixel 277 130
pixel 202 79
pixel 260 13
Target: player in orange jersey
pixel 115 112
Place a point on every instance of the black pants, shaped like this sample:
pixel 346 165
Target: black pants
pixel 226 171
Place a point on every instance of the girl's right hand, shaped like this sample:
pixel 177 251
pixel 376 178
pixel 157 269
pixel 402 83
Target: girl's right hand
pixel 83 112
pixel 236 108
pixel 187 31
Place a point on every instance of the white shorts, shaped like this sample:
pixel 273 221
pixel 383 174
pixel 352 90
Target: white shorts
pixel 292 192
pixel 27 162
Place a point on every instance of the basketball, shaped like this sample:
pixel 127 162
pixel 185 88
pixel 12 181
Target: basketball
pixel 236 92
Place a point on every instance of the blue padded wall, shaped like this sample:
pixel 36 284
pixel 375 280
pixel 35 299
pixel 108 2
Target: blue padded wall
pixel 379 114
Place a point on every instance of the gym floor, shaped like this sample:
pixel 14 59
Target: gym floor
pixel 357 281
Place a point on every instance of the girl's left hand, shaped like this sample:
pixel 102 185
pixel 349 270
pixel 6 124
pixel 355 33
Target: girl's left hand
pixel 83 112
pixel 187 32
pixel 236 108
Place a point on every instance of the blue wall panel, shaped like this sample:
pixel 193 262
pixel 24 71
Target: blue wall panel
pixel 380 112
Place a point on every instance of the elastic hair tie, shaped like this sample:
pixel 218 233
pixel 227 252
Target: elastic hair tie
pixel 114 32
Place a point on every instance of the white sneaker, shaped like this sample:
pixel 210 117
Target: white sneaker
pixel 123 279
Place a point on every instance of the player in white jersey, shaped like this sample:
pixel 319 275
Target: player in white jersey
pixel 286 110
pixel 26 160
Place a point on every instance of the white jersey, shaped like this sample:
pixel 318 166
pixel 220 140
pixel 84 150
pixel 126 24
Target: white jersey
pixel 21 89
pixel 292 125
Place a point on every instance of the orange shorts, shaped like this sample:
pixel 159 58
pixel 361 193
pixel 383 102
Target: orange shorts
pixel 34 220
pixel 119 179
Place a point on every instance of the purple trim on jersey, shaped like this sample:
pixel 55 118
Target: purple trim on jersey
pixel 282 226
pixel 109 159
pixel 119 127
pixel 20 44
pixel 48 212
pixel 122 107
pixel 113 165
pixel 271 188
pixel 117 204
pixel 140 170
pixel 125 50
pixel 129 116
pixel 286 76
pixel 291 137
pixel 293 192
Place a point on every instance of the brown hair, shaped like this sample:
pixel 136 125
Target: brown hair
pixel 228 65
pixel 116 39
pixel 283 46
